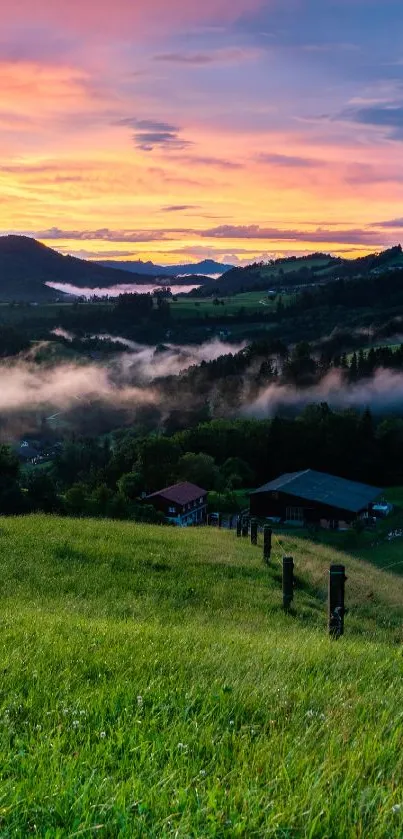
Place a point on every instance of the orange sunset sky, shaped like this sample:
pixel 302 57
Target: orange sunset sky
pixel 176 130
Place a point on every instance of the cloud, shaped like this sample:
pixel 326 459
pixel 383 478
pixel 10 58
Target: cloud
pixel 288 161
pixel 103 234
pixel 178 208
pixel 28 386
pixel 382 393
pixel 36 44
pixel 254 231
pixel 227 55
pixel 366 175
pixel 146 364
pixel 388 116
pixel 83 253
pixel 396 223
pixel 198 59
pixel 207 160
pixel 149 134
pixel 127 16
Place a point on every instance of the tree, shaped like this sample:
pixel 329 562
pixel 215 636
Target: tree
pixel 76 501
pixel 158 458
pixel 99 500
pixel 199 469
pixel 131 484
pixel 237 473
pixel 42 492
pixel 11 498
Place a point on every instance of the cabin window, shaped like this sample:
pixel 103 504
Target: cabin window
pixel 171 509
pixel 295 514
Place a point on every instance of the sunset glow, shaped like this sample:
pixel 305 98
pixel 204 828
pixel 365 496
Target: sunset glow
pixel 173 131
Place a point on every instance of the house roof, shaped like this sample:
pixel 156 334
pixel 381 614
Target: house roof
pixel 182 493
pixel 324 489
pixel 25 450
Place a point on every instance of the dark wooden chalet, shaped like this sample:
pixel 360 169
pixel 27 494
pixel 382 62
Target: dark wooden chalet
pixel 183 504
pixel 311 497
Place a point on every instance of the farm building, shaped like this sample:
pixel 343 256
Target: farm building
pixel 183 504
pixel 311 497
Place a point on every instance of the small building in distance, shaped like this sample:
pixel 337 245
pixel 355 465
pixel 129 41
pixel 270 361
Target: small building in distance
pixel 311 497
pixel 183 504
pixel 26 451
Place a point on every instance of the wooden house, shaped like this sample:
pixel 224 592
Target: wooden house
pixel 311 497
pixel 183 504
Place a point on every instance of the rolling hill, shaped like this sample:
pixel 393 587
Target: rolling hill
pixel 301 271
pixel 153 687
pixel 201 269
pixel 26 265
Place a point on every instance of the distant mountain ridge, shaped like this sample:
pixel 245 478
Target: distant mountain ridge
pixel 206 267
pixel 26 266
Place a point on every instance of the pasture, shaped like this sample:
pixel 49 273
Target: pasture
pixel 246 303
pixel 153 687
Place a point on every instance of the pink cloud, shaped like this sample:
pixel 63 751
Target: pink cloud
pixel 99 16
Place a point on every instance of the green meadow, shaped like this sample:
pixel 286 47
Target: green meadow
pixel 151 686
pixel 250 302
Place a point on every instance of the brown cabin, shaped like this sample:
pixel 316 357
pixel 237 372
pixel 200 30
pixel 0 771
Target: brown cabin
pixel 182 504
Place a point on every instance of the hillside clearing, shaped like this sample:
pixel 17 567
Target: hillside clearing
pixel 152 687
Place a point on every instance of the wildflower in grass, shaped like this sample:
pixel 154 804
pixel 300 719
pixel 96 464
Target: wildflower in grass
pixel 397 808
pixel 102 734
pixel 140 701
pixel 75 723
pixel 183 747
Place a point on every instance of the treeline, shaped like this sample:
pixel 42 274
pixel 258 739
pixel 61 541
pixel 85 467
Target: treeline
pixel 108 477
pixel 363 363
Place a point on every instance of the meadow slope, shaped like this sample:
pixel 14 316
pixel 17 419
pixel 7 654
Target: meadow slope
pixel 152 687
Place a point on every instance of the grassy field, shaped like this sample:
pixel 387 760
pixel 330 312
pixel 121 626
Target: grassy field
pixel 290 267
pixel 152 687
pixel 252 301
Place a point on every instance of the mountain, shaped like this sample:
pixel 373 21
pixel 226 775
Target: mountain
pixel 314 269
pixel 205 268
pixel 26 265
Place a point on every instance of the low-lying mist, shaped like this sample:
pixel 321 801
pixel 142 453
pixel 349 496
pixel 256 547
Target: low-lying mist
pixel 105 394
pixel 382 393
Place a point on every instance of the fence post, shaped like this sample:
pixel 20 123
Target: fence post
pixel 239 527
pixel 288 582
pixel 337 579
pixel 253 531
pixel 267 543
pixel 219 521
pixel 245 528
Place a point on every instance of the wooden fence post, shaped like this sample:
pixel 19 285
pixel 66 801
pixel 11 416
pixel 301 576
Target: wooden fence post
pixel 267 531
pixel 253 532
pixel 288 582
pixel 245 528
pixel 337 579
pixel 239 527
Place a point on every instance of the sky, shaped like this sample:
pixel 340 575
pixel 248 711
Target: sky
pixel 178 130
